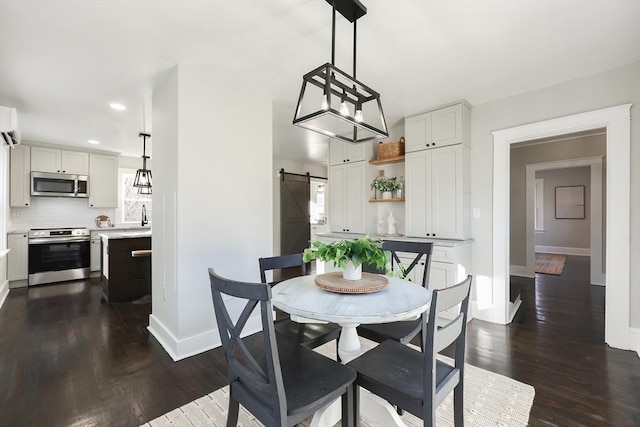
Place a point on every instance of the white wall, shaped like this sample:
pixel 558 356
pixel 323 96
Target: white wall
pixel 213 207
pixel 610 88
pixel 565 233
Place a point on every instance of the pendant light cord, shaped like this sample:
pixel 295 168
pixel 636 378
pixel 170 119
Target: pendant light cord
pixel 333 35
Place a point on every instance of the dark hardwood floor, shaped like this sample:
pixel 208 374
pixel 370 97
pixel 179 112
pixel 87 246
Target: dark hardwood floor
pixel 68 359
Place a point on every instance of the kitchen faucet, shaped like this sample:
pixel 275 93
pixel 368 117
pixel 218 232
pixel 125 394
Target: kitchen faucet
pixel 144 215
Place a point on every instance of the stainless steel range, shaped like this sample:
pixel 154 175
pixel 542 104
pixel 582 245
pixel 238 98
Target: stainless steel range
pixel 58 254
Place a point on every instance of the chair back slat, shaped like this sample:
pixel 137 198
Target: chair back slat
pixel 421 250
pixel 280 262
pixel 452 297
pixel 259 376
pixel 447 334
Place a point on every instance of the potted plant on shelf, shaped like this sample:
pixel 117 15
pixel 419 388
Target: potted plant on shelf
pixel 386 185
pixel 350 255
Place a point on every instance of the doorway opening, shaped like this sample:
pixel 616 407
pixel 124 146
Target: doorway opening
pixel 616 121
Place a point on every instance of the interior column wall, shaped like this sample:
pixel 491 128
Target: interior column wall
pixel 215 198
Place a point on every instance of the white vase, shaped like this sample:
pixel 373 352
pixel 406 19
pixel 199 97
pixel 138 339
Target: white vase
pixel 387 195
pixel 352 273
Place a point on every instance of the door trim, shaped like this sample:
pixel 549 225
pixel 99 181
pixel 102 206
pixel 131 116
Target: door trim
pixel 617 121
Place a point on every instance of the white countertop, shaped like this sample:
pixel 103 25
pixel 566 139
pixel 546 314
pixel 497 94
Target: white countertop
pixel 127 235
pixel 121 227
pixel 436 242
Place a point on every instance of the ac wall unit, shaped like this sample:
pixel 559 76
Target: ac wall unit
pixel 9 131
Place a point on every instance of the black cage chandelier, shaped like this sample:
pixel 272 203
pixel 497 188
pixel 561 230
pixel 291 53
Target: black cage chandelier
pixel 334 103
pixel 143 176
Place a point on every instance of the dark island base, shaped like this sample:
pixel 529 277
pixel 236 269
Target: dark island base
pixel 129 277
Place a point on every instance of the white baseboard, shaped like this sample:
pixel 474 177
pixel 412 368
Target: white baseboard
pixel 513 308
pixel 563 251
pixel 180 349
pixel 521 271
pixel 4 291
pixel 634 338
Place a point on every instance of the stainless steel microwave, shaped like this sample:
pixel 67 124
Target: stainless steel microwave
pixel 59 184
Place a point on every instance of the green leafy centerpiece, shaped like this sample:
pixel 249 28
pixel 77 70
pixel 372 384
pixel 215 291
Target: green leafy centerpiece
pixel 386 185
pixel 350 255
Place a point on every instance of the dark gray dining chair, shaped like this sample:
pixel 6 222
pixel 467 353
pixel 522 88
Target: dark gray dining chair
pixel 403 331
pixel 417 381
pixel 311 335
pixel 281 384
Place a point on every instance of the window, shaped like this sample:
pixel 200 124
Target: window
pixel 130 206
pixel 317 203
pixel 538 205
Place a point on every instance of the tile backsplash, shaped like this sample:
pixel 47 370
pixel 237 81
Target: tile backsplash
pixel 49 212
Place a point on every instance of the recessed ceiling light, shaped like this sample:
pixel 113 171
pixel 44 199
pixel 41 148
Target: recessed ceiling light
pixel 93 141
pixel 117 106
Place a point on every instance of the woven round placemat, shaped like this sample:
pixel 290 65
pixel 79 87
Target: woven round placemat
pixel 334 282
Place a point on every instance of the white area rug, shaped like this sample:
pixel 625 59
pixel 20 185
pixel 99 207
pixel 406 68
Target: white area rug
pixel 489 400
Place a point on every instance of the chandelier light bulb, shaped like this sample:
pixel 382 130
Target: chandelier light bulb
pixel 325 104
pixel 344 108
pixel 358 116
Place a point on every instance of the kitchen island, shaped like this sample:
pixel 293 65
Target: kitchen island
pixel 123 276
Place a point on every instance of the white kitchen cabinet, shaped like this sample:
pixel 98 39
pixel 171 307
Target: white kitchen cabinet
pixel 59 161
pixel 103 181
pixel 18 258
pixel 449 266
pixel 343 152
pixel 438 128
pixel 20 176
pixel 437 188
pixel 347 198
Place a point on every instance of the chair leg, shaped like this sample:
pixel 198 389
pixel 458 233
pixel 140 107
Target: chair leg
pixel 458 405
pixel 356 405
pixel 232 416
pixel 348 407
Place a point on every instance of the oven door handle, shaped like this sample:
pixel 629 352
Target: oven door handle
pixel 59 240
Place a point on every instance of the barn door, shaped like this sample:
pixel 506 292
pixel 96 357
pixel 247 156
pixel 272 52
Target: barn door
pixel 294 213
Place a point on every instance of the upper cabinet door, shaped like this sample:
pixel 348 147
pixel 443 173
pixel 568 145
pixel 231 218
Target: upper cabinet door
pixel 103 181
pixel 447 192
pixel 75 162
pixel 20 185
pixel 446 126
pixel 417 132
pixel 46 160
pixel 418 193
pixel 59 161
pixel 356 198
pixel 343 152
pixel 338 198
pixel 356 152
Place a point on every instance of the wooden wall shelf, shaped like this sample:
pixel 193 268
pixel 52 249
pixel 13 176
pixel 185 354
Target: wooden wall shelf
pixel 397 159
pixel 385 200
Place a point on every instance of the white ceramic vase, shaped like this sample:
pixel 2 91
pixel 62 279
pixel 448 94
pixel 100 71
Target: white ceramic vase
pixel 352 273
pixel 387 195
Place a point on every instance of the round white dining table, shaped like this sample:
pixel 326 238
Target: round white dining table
pixel 400 300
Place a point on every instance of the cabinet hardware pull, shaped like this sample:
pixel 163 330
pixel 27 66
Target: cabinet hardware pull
pixel 427 145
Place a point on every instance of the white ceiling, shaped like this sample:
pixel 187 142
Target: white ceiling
pixel 63 62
